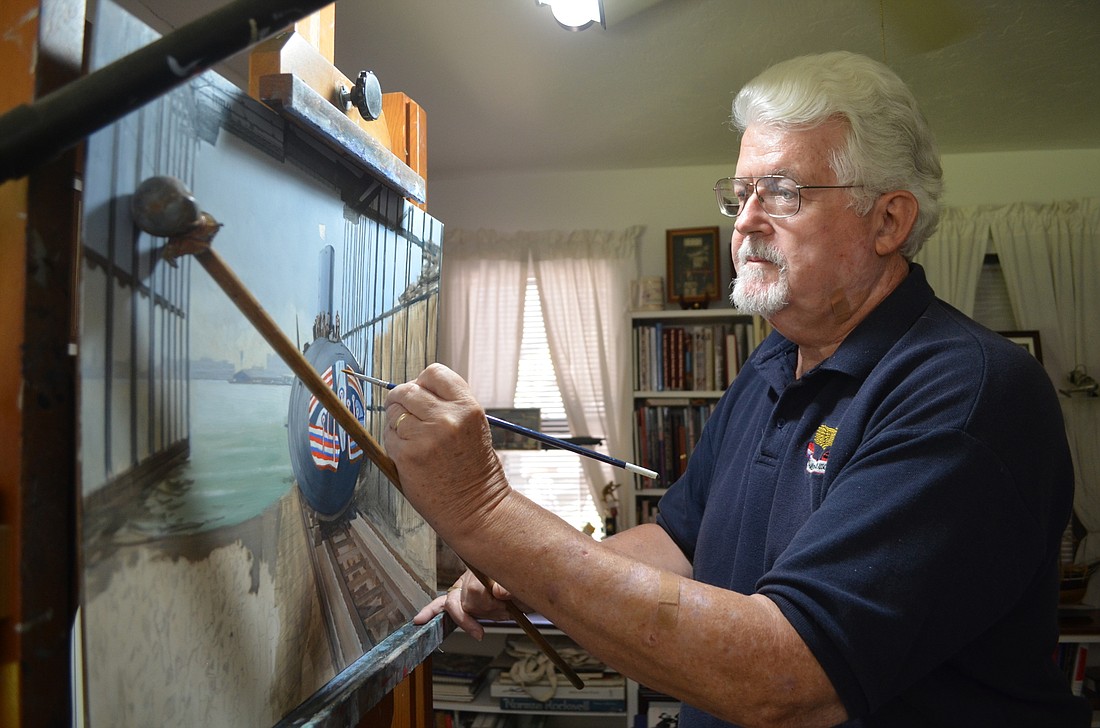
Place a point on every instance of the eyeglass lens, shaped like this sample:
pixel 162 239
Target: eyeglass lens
pixel 779 196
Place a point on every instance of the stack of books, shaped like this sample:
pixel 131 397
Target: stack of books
pixel 606 694
pixel 526 689
pixel 457 677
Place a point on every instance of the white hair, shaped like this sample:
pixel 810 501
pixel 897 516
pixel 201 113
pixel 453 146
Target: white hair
pixel 889 143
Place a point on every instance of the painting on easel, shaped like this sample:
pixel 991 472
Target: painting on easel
pixel 239 551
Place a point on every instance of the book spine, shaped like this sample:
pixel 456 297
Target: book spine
pixel 1081 658
pixel 588 692
pixel 564 705
pixel 658 356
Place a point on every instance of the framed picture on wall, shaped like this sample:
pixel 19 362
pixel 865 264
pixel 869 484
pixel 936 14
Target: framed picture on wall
pixel 693 266
pixel 1027 339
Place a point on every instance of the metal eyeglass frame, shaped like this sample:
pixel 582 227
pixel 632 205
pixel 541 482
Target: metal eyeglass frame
pixel 753 182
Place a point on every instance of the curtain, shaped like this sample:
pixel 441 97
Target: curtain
pixel 583 280
pixel 1050 255
pixel 483 280
pixel 952 256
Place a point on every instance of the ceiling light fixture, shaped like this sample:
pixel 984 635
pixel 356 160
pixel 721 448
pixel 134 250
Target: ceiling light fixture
pixel 576 14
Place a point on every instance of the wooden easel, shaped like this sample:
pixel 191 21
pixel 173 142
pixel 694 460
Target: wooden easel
pixel 308 51
pixel 38 259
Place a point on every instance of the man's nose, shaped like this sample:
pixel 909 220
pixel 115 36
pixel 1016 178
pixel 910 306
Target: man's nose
pixel 752 215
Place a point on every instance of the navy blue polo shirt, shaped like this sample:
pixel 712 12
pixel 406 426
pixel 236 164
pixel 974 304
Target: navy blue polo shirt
pixel 903 504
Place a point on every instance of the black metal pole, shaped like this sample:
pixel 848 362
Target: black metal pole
pixel 35 133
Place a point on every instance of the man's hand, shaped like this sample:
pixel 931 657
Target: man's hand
pixel 439 440
pixel 467 601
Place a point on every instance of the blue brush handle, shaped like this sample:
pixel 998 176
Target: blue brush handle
pixel 566 445
pixel 535 435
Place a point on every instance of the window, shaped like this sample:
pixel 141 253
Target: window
pixel 552 478
pixel 992 306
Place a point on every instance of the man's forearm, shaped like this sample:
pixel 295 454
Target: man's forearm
pixel 730 654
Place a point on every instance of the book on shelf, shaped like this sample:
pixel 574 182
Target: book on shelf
pixel 457 677
pixel 608 686
pixel 656 360
pixel 1072 658
pixel 689 357
pixel 526 677
pixel 565 705
pixel 459 666
pixel 641 358
pixel 1090 686
pixel 732 357
pixel 454 692
pixel 666 433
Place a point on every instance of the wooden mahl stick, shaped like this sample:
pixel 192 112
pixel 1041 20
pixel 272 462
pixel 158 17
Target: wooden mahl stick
pixel 195 241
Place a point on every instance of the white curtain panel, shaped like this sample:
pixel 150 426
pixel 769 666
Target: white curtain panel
pixel 1050 255
pixel 584 280
pixel 584 284
pixel 952 256
pixel 481 315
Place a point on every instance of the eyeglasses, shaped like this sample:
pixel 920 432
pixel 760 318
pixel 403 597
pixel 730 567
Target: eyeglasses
pixel 779 196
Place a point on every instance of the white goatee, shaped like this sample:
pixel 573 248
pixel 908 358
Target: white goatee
pixel 751 294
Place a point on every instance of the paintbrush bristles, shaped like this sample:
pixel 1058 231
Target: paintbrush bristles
pixel 372 380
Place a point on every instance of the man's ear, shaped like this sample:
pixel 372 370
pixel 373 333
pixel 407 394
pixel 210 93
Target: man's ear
pixel 897 213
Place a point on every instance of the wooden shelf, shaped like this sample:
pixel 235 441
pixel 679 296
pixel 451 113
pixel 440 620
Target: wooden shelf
pixel 697 314
pixel 678 394
pixel 1078 623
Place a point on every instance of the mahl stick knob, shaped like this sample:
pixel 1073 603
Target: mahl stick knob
pixel 164 206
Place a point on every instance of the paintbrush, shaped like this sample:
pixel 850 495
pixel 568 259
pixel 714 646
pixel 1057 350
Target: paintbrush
pixel 534 434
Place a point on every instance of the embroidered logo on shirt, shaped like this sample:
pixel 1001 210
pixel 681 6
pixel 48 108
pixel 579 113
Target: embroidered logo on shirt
pixel 817 450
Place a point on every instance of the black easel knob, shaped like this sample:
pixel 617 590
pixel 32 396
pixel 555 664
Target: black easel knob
pixel 366 96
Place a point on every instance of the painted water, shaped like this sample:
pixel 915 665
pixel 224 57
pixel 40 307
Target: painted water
pixel 239 464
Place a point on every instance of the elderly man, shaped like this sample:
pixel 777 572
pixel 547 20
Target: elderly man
pixel 869 529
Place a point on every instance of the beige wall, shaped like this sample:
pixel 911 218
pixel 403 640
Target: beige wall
pixel 680 197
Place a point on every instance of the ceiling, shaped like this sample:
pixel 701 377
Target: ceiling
pixel 505 88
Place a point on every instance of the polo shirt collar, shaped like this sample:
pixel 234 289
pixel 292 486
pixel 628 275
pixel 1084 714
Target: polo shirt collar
pixel 864 346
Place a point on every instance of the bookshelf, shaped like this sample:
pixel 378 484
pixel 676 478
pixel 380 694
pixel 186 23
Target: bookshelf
pixel 484 704
pixel 1078 651
pixel 683 360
